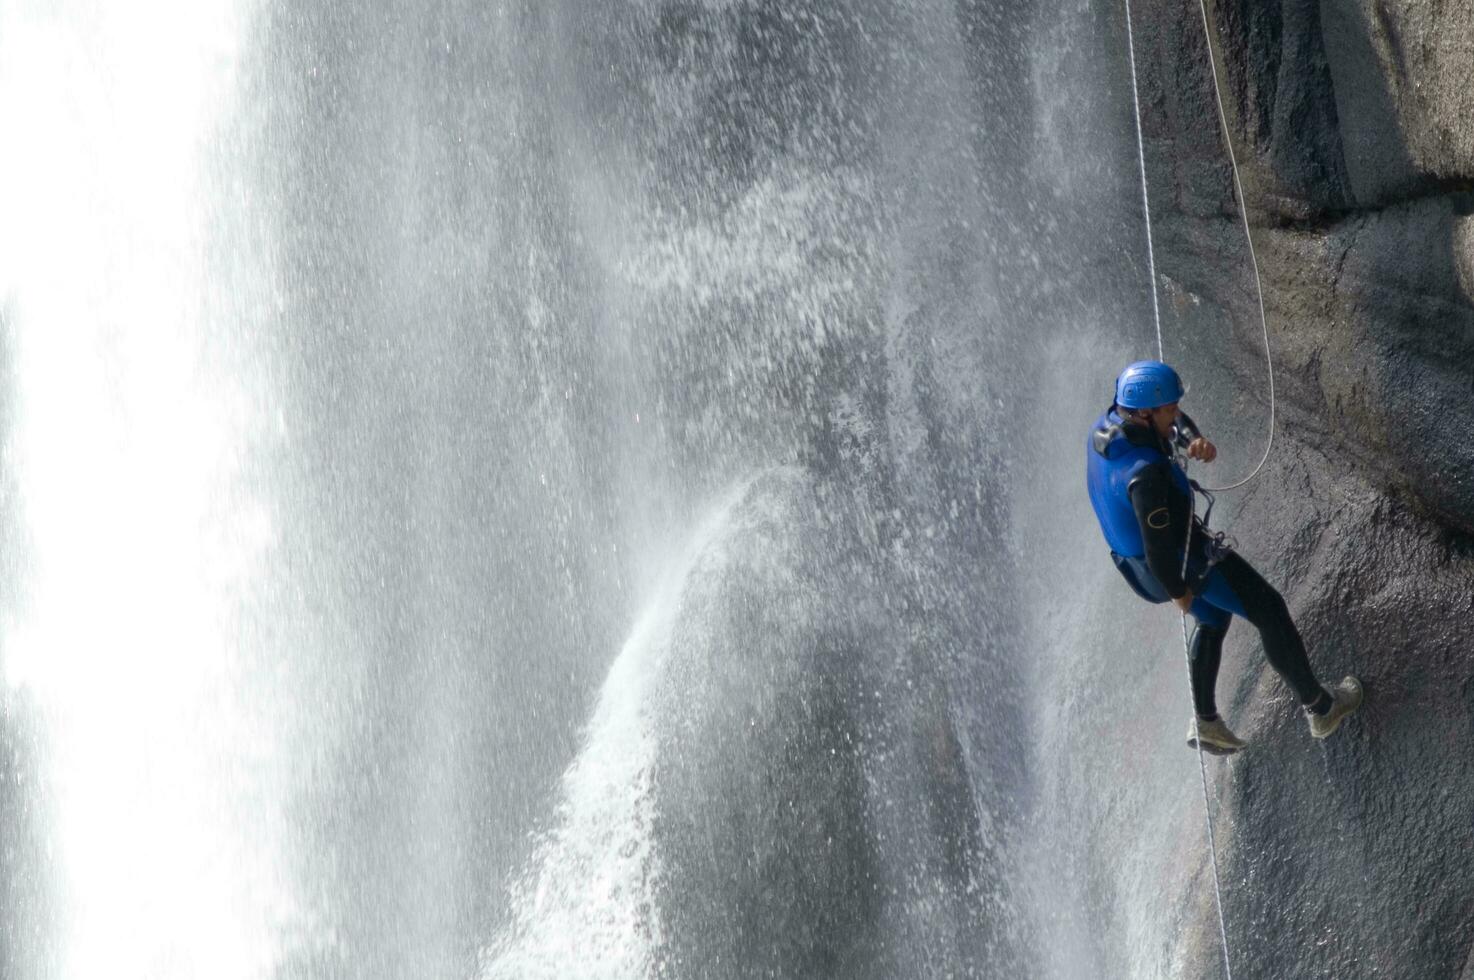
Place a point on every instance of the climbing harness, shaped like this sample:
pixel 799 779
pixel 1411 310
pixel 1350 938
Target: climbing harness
pixel 1218 543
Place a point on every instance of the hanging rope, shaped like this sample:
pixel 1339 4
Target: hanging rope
pixel 1146 202
pixel 1238 187
pixel 1198 740
pixel 1186 550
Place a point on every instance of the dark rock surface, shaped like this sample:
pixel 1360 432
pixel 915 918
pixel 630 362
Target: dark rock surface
pixel 1352 122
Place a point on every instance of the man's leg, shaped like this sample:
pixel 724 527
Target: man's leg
pixel 1236 587
pixel 1205 653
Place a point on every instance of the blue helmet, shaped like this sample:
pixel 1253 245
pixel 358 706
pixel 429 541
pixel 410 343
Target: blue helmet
pixel 1148 384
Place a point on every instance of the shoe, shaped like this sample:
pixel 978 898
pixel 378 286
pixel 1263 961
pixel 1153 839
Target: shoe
pixel 1347 698
pixel 1215 736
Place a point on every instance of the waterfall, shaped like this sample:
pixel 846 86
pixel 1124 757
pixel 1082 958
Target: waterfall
pixel 137 684
pixel 590 897
pixel 549 489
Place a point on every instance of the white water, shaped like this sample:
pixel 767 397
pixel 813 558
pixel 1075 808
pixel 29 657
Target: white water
pixel 135 656
pixel 588 897
pixel 128 647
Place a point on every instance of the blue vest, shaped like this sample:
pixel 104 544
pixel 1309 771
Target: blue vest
pixel 1112 461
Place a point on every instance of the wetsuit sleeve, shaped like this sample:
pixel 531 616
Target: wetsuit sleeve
pixel 1187 430
pixel 1161 512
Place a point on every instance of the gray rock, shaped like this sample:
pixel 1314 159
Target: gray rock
pixel 1352 122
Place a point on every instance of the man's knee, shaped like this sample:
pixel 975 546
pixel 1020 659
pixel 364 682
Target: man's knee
pixel 1209 611
pixel 1268 609
pixel 1262 602
pixel 1207 639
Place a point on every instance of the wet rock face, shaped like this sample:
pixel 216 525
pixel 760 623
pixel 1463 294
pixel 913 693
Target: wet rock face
pixel 1352 126
pixel 1342 106
pixel 1285 106
pixel 1400 74
pixel 1352 123
pixel 1383 98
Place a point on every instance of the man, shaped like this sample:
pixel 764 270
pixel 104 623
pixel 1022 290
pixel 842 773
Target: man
pixel 1143 500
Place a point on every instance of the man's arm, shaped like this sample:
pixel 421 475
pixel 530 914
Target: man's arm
pixel 1191 441
pixel 1162 513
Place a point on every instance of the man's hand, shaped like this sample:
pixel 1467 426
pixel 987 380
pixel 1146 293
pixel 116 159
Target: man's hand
pixel 1201 448
pixel 1184 601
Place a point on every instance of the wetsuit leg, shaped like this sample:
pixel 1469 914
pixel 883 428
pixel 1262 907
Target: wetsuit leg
pixel 1205 653
pixel 1236 587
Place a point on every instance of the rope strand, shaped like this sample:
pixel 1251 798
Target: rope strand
pixel 1146 203
pixel 1253 256
pixel 1187 546
pixel 1212 842
pixel 1198 738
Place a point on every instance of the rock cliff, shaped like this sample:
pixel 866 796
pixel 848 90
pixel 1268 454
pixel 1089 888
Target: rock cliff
pixel 1352 121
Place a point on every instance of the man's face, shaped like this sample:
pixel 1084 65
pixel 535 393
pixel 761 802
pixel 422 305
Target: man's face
pixel 1163 419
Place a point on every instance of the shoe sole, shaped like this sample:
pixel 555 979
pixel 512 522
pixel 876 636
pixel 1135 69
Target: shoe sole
pixel 1213 749
pixel 1360 697
pixel 1322 736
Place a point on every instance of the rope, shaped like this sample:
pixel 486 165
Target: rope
pixel 1146 203
pixel 1186 551
pixel 1212 843
pixel 1253 257
pixel 1202 764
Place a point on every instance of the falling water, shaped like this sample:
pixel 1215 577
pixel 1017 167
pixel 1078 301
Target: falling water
pixel 523 489
pixel 138 692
